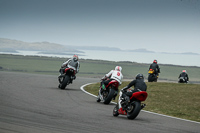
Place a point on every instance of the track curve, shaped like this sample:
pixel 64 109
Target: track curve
pixel 33 103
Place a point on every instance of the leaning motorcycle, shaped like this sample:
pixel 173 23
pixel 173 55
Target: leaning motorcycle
pixel 152 76
pixel 67 77
pixel 132 108
pixel 182 80
pixel 107 93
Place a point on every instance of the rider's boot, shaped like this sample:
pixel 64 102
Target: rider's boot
pixel 143 105
pixel 98 98
pixel 114 96
pixel 61 72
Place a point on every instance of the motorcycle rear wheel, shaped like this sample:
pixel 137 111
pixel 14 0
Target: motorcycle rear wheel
pixel 63 84
pixel 150 78
pixel 109 96
pixel 134 110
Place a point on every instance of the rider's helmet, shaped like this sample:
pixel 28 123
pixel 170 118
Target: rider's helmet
pixel 139 76
pixel 155 61
pixel 75 57
pixel 184 71
pixel 118 68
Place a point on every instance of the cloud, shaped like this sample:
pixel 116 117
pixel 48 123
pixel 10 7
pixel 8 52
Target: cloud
pixel 155 25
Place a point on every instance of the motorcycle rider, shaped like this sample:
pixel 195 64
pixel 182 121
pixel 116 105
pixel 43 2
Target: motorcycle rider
pixel 73 62
pixel 139 85
pixel 155 67
pixel 184 75
pixel 112 75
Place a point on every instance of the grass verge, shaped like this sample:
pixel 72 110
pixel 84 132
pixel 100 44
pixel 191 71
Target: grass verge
pixel 91 68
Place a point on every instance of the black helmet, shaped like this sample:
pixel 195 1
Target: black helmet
pixel 139 76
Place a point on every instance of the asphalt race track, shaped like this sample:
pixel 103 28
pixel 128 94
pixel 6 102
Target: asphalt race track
pixel 32 103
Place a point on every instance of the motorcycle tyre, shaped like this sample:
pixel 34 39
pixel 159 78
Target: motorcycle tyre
pixel 132 115
pixel 64 83
pixel 115 111
pixel 150 78
pixel 181 81
pixel 155 80
pixel 109 97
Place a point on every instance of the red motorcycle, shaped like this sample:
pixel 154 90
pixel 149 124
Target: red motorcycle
pixel 109 92
pixel 132 108
pixel 67 77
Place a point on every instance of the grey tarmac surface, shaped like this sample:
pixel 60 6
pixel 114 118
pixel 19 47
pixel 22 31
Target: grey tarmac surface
pixel 32 103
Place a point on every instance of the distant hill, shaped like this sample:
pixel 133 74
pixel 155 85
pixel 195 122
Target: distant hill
pixel 190 53
pixel 11 45
pixel 100 48
pixel 141 50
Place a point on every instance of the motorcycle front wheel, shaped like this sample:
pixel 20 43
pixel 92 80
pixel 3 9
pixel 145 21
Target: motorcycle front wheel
pixel 115 111
pixel 133 110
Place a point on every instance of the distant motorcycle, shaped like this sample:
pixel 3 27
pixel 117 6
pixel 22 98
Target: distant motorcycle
pixel 109 92
pixel 132 108
pixel 67 77
pixel 152 76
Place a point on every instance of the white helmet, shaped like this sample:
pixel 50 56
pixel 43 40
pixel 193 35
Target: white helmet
pixel 118 68
pixel 75 57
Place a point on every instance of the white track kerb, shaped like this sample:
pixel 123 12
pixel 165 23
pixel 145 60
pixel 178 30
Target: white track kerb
pixel 82 88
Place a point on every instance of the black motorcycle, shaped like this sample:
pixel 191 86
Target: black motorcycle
pixel 66 78
pixel 152 77
pixel 182 80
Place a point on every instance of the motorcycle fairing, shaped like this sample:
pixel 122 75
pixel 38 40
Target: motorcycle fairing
pixel 70 69
pixel 140 95
pixel 151 71
pixel 122 112
pixel 114 83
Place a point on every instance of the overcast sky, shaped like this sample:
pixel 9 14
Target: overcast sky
pixel 157 25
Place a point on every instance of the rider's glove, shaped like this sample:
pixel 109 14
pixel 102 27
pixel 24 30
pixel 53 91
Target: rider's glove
pixel 123 89
pixel 104 78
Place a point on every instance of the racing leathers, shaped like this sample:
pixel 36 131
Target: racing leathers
pixel 112 75
pixel 71 63
pixel 155 67
pixel 139 85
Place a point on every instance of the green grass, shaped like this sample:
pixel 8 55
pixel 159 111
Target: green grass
pixel 173 99
pixel 30 64
pixel 91 68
